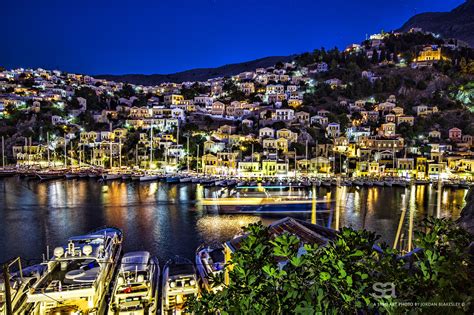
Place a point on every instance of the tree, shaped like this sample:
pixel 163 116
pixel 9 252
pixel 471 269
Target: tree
pixel 339 278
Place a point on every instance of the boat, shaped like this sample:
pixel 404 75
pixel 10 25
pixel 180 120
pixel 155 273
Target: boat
pixel 210 263
pixel 5 172
pixel 48 175
pixel 379 183
pixel 421 182
pixel 111 176
pixel 179 282
pixel 20 283
pixel 388 183
pixel 145 177
pixel 358 182
pixel 196 179
pixel 136 287
pixel 221 182
pixel 172 179
pixel 185 179
pixel 71 175
pixel 368 183
pixel 126 176
pixel 78 275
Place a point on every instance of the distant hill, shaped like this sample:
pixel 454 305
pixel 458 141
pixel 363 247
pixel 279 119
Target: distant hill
pixel 458 23
pixel 200 74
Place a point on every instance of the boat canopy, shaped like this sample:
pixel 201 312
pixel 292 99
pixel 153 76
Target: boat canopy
pixel 135 261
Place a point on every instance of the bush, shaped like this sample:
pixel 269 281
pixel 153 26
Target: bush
pixel 339 278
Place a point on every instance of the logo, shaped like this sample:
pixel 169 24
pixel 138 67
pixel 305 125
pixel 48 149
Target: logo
pixel 383 290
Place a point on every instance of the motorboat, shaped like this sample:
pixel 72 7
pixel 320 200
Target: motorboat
pixel 78 275
pixel 20 282
pixel 179 282
pixel 136 287
pixel 210 264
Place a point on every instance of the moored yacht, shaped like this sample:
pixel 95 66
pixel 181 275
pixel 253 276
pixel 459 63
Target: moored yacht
pixel 179 283
pixel 20 281
pixel 136 287
pixel 78 275
pixel 210 264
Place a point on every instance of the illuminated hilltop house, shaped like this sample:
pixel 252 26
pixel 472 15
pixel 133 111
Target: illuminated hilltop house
pixel 428 56
pixel 306 232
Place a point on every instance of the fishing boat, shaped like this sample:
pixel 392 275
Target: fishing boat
pixel 50 174
pixel 179 283
pixel 136 287
pixel 20 283
pixel 78 275
pixel 210 264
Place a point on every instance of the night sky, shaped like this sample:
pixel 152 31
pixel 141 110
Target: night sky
pixel 116 37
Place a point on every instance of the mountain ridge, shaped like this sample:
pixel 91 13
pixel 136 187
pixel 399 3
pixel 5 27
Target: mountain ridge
pixel 457 23
pixel 197 74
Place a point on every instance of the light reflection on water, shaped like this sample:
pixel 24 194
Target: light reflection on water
pixel 165 219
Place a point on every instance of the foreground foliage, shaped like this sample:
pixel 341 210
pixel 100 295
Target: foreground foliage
pixel 279 276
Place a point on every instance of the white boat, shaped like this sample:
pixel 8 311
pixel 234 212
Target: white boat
pixel 78 275
pixel 136 287
pixel 179 283
pixel 20 283
pixel 146 177
pixel 185 179
pixel 210 264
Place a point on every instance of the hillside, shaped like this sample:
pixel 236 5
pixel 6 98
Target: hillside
pixel 199 74
pixel 458 23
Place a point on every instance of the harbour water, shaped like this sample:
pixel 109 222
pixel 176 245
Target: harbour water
pixel 167 219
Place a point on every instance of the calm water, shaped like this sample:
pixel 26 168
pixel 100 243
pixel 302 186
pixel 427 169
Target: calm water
pixel 166 220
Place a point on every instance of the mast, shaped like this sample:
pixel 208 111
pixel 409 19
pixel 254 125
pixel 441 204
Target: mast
pixel 120 152
pixel 295 164
pixel 47 146
pixel 187 155
pixel 151 145
pixel 65 151
pixel 3 152
pixel 197 159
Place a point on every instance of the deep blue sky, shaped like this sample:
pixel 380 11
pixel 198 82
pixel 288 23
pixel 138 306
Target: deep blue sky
pixel 164 36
